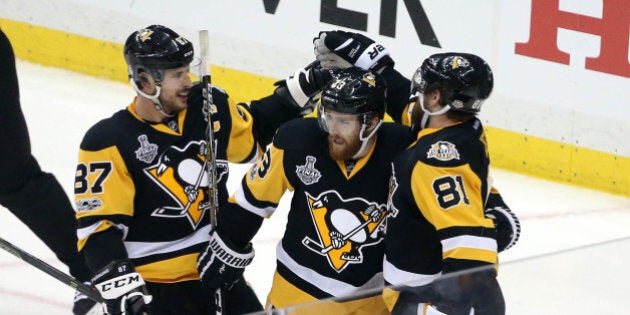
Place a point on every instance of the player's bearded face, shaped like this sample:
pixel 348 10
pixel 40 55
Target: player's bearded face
pixel 175 87
pixel 343 135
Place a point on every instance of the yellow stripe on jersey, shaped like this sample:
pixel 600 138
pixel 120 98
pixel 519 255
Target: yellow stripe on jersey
pixel 285 295
pixel 361 162
pixel 96 228
pixel 160 127
pixel 449 196
pixel 390 297
pixel 406 117
pixel 104 177
pixel 241 138
pixel 181 268
pixel 267 181
pixel 488 256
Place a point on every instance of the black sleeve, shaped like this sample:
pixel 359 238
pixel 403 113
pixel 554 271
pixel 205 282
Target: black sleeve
pixel 237 224
pixel 269 113
pixel 18 167
pixel 398 92
pixel 103 248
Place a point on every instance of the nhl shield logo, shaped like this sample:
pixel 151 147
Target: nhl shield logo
pixel 147 151
pixel 307 173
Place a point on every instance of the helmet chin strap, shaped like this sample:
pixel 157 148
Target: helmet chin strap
pixel 366 139
pixel 425 118
pixel 154 97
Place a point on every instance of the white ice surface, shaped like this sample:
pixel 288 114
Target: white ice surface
pixel 60 105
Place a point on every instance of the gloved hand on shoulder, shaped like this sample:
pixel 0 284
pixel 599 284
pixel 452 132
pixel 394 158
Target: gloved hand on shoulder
pixel 300 87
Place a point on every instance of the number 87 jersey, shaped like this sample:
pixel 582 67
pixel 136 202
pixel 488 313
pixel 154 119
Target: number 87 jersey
pixel 437 195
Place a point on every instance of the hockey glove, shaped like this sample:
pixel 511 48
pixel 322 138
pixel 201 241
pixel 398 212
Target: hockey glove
pixel 221 264
pixel 506 223
pixel 339 49
pixel 299 88
pixel 122 288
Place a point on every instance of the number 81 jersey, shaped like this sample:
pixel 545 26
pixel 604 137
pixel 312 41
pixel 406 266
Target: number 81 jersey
pixel 437 195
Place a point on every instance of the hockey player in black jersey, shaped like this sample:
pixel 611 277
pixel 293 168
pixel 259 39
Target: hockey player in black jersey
pixel 438 195
pixel 32 195
pixel 338 169
pixel 340 49
pixel 141 185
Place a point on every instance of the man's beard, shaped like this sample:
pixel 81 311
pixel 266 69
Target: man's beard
pixel 342 152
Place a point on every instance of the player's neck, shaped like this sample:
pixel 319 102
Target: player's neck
pixel 147 111
pixel 440 121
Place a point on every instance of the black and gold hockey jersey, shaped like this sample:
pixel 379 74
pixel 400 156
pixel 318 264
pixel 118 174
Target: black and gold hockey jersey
pixel 333 241
pixel 438 190
pixel 145 183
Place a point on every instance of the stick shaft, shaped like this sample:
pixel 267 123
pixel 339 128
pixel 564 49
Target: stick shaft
pixel 50 270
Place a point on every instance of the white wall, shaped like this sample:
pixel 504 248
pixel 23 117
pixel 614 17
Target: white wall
pixel 555 101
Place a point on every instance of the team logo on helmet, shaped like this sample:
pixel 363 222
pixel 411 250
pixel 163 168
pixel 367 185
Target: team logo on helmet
pixel 370 78
pixel 459 61
pixel 443 151
pixel 145 34
pixel 344 227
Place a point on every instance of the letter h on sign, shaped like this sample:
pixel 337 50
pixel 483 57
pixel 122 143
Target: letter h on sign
pixel 613 30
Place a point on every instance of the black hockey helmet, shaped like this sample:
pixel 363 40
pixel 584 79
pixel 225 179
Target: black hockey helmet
pixel 465 80
pixel 355 91
pixel 154 49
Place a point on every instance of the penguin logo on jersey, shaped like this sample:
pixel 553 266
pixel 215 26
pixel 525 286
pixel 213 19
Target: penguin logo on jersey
pixel 181 173
pixel 344 227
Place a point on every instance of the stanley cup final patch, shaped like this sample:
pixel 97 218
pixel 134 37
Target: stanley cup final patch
pixel 307 173
pixel 443 151
pixel 147 151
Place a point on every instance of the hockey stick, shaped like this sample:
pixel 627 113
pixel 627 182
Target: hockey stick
pixel 180 212
pixel 51 271
pixel 211 150
pixel 314 246
pixel 323 250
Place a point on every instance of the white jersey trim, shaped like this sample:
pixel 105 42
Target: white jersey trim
pixel 84 233
pixel 331 286
pixel 469 241
pixel 239 195
pixel 142 249
pixel 396 276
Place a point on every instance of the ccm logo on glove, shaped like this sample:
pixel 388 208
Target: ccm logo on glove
pixel 120 282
